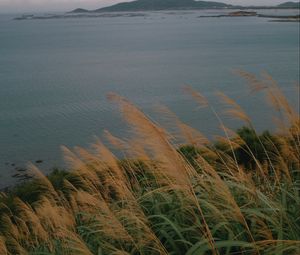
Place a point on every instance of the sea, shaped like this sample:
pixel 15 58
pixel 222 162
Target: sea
pixel 55 75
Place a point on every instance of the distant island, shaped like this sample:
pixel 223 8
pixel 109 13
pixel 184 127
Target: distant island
pixel 158 5
pixel 290 5
pixel 277 18
pixel 139 8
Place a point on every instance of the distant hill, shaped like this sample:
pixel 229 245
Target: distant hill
pixel 289 5
pixel 152 5
pixel 79 10
pixel 155 5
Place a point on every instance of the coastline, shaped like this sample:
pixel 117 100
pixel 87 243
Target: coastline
pixel 232 12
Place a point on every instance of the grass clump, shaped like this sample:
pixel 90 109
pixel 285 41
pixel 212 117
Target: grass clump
pixel 237 195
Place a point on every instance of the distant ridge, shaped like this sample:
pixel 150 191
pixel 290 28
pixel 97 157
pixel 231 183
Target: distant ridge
pixel 157 5
pixel 152 5
pixel 80 10
pixel 289 5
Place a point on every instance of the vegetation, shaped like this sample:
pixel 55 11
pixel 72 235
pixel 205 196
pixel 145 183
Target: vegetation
pixel 290 5
pixel 238 195
pixel 150 5
pixel 157 5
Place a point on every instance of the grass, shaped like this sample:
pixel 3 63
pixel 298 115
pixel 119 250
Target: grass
pixel 237 195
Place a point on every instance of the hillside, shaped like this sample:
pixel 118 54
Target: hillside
pixel 289 5
pixel 80 10
pixel 149 5
pixel 156 5
pixel 153 5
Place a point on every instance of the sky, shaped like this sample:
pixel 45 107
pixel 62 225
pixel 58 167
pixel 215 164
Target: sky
pixel 66 5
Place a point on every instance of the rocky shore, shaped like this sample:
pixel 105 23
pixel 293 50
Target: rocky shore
pixel 280 18
pixel 81 15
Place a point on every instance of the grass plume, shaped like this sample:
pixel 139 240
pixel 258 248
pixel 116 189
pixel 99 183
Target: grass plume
pixel 239 194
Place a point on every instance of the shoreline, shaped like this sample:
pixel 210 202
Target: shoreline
pixel 132 14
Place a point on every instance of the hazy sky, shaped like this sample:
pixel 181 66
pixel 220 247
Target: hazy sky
pixel 64 5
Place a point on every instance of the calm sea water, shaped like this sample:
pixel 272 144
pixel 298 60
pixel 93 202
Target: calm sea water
pixel 55 74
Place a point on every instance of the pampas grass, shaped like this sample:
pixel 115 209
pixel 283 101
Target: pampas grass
pixel 201 198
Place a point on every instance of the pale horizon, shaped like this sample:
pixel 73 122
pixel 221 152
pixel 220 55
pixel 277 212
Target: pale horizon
pixel 9 6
